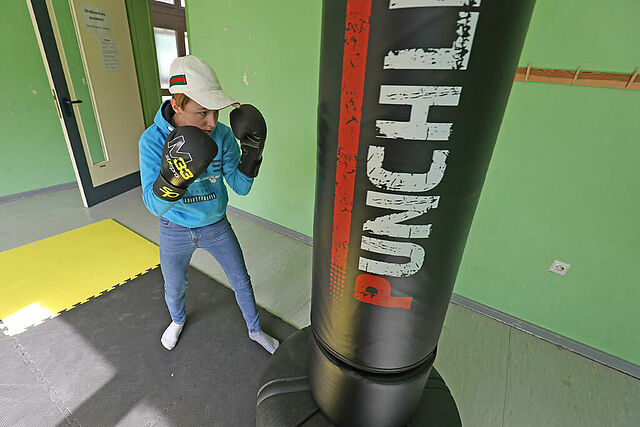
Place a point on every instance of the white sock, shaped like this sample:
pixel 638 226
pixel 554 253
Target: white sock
pixel 170 336
pixel 268 342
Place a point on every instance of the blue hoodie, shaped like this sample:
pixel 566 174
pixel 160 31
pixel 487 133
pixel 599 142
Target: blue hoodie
pixel 205 201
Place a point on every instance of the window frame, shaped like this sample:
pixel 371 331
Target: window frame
pixel 171 17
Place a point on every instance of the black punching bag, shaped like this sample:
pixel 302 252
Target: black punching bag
pixel 412 93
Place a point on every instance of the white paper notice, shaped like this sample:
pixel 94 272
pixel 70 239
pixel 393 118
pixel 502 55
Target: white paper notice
pixel 109 50
pixel 96 20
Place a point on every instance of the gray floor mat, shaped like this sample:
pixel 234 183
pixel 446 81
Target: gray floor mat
pixel 23 388
pixel 102 364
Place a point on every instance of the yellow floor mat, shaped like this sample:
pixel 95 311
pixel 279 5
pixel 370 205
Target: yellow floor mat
pixel 44 278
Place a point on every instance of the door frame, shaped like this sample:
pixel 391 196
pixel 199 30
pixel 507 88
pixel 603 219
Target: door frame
pixel 91 195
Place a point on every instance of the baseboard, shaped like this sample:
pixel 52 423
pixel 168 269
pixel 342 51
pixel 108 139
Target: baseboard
pixel 573 346
pixel 25 194
pixel 272 225
pixel 576 347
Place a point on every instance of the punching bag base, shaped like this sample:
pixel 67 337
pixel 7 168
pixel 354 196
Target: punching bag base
pixel 284 398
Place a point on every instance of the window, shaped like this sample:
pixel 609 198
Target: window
pixel 170 33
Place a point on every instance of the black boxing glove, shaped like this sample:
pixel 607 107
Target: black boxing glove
pixel 249 127
pixel 187 152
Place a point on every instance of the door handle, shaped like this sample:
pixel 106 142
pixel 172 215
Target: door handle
pixel 67 105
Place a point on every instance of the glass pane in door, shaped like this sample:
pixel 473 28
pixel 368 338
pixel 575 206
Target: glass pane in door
pixel 166 51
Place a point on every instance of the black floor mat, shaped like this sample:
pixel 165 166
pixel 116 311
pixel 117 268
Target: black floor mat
pixel 102 364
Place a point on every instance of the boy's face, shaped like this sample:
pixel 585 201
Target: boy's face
pixel 194 114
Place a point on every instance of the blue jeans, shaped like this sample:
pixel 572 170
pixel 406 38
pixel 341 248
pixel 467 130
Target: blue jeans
pixel 177 244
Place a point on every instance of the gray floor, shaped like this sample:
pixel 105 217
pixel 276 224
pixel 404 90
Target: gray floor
pixel 500 376
pixel 211 378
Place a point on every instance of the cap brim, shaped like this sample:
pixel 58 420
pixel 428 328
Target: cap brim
pixel 213 99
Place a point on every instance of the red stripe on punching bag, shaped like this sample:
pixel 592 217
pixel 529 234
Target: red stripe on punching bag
pixel 356 38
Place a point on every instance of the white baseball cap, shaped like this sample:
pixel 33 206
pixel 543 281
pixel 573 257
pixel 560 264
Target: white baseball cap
pixel 193 77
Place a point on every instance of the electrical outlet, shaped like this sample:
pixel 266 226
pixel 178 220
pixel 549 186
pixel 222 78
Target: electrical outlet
pixel 559 267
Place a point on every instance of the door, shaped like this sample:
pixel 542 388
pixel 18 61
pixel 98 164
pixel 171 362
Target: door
pixel 86 48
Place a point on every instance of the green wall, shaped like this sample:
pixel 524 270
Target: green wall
pixel 593 34
pixel 32 134
pixel 562 182
pixel 267 54
pixel 563 185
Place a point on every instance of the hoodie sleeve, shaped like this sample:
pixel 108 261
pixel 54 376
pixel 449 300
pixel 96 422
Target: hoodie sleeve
pixel 239 182
pixel 150 150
